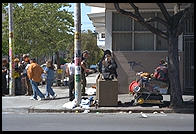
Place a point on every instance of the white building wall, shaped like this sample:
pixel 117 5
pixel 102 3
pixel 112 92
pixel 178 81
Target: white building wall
pixel 108 30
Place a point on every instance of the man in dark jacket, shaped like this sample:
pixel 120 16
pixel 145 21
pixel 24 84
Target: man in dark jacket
pixel 107 66
pixel 25 79
pixel 4 73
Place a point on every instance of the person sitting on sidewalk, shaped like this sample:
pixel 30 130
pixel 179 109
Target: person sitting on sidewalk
pixel 34 73
pixel 49 70
pixel 108 66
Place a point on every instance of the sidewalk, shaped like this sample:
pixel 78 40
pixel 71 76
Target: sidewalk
pixel 23 104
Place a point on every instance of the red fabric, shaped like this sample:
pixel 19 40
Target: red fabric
pixel 133 85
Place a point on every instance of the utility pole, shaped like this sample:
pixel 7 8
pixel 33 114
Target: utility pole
pixel 11 52
pixel 77 53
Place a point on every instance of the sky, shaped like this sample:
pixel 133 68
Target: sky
pixel 86 22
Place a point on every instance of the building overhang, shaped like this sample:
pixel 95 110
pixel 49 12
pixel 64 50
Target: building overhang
pixel 126 6
pixel 98 20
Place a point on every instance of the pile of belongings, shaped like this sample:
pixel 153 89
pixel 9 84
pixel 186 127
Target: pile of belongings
pixel 147 83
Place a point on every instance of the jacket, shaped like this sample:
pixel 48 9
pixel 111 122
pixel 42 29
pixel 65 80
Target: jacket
pixel 34 72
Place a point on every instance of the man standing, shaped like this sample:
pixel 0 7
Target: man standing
pixel 70 71
pixel 84 70
pixel 25 79
pixel 34 73
pixel 17 77
pixel 4 73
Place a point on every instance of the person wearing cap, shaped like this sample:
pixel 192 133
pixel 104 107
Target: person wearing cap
pixel 4 73
pixel 34 72
pixel 84 70
pixel 17 77
pixel 25 80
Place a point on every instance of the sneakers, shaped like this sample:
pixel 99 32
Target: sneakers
pixel 40 99
pixel 32 98
pixel 47 97
pixel 54 96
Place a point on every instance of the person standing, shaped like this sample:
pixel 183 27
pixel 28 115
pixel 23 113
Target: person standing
pixel 70 71
pixel 49 70
pixel 34 72
pixel 17 77
pixel 4 73
pixel 84 70
pixel 25 80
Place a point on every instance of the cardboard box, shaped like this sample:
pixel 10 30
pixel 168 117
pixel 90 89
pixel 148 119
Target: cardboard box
pixel 107 92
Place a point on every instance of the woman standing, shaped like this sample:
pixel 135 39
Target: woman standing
pixel 49 70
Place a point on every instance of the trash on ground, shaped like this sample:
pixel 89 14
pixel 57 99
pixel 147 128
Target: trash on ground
pixel 70 104
pixel 86 111
pixel 130 112
pixel 155 112
pixel 143 115
pixel 91 91
pixel 86 102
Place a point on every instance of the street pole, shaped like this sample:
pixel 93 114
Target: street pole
pixel 11 53
pixel 77 53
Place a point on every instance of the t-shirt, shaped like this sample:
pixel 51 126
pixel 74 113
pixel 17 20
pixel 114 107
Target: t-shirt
pixel 71 67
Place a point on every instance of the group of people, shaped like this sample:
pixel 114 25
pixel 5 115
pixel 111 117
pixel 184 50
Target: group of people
pixel 106 66
pixel 28 74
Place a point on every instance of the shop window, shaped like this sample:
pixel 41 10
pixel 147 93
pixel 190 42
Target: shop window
pixel 122 41
pixel 121 22
pixel 144 41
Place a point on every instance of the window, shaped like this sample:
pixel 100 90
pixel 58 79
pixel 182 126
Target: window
pixel 144 41
pixel 161 43
pixel 139 27
pixel 189 25
pixel 122 41
pixel 121 22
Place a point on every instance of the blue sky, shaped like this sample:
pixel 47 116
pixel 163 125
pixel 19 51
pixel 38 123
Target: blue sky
pixel 86 23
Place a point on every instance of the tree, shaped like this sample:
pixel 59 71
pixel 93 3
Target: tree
pixel 89 42
pixel 174 25
pixel 40 28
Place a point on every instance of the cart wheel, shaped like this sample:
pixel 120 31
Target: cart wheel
pixel 140 101
pixel 132 102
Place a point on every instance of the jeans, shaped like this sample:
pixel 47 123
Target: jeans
pixel 49 90
pixel 36 90
pixel 71 86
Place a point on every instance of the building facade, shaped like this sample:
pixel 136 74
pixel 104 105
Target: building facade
pixel 137 49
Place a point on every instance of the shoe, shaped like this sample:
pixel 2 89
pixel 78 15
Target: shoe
pixel 32 98
pixel 40 99
pixel 27 94
pixel 54 96
pixel 47 97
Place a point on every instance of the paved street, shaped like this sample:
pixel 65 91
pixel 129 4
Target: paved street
pixel 97 122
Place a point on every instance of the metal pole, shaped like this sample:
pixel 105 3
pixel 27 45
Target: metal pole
pixel 11 53
pixel 77 53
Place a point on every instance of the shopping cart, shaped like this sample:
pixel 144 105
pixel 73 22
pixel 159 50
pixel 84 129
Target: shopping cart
pixel 148 90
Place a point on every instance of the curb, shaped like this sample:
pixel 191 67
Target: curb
pixel 110 110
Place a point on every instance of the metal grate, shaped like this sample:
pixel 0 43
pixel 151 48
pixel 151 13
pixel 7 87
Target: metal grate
pixel 189 64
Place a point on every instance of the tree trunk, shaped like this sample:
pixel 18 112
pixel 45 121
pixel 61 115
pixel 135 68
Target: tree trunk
pixel 173 71
pixel 57 60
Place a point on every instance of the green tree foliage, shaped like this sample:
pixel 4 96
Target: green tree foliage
pixel 39 28
pixel 89 42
